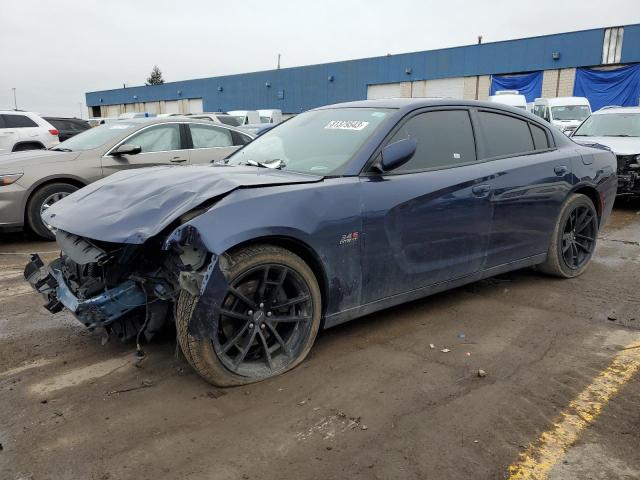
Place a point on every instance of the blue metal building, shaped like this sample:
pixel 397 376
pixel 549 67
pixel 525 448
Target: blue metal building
pixel 463 72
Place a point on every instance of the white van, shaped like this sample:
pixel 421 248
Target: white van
pixel 246 117
pixel 566 113
pixel 270 116
pixel 509 97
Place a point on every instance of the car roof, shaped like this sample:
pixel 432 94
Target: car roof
pixel 407 104
pixel 616 109
pixel 563 101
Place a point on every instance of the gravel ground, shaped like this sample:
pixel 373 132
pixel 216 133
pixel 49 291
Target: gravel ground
pixel 373 400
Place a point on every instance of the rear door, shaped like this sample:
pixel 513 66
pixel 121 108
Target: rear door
pixel 210 143
pixel 23 129
pixel 530 179
pixel 7 136
pixel 427 221
pixel 162 144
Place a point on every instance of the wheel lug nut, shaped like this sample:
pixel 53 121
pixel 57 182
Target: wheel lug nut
pixel 251 325
pixel 261 305
pixel 262 326
pixel 269 314
pixel 250 312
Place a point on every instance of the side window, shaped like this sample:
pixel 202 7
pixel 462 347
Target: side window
pixel 205 136
pixel 540 140
pixel 504 135
pixel 444 137
pixel 18 121
pixel 240 139
pixel 158 139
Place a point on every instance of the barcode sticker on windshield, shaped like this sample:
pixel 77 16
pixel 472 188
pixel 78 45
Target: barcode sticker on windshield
pixel 346 125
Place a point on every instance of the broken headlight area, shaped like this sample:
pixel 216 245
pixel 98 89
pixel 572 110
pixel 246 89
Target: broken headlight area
pixel 120 289
pixel 628 174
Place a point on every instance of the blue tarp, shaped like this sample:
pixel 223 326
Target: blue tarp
pixel 529 84
pixel 609 87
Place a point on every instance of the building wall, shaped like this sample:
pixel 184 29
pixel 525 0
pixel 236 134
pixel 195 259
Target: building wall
pixel 562 87
pixel 301 88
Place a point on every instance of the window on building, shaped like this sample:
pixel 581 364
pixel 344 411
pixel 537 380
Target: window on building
pixel 445 138
pixel 504 135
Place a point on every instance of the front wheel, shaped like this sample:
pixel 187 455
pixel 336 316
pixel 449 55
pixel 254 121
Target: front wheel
pixel 268 320
pixel 574 238
pixel 40 201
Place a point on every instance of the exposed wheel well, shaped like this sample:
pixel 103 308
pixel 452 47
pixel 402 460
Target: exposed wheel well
pixel 593 195
pixel 21 144
pixel 301 249
pixel 70 181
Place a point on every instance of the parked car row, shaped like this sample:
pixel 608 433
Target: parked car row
pixel 31 182
pixel 337 213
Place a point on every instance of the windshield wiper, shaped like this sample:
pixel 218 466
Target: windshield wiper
pixel 620 135
pixel 62 149
pixel 253 163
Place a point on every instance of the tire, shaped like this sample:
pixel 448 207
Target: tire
pixel 206 356
pixel 27 146
pixel 48 193
pixel 566 232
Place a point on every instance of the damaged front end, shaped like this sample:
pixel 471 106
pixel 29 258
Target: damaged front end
pixel 628 174
pixel 121 290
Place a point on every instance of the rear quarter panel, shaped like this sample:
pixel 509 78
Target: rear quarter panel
pixel 596 168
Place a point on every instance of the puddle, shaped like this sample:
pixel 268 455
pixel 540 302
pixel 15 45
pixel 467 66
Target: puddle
pixel 72 378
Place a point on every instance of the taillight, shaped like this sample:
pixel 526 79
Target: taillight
pixel 53 131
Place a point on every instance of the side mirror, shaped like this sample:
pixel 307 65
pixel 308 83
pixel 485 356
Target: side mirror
pixel 127 149
pixel 397 154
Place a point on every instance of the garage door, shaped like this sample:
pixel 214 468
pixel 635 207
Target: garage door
pixel 151 107
pixel 445 87
pixel 171 107
pixel 385 90
pixel 195 105
pixel 112 111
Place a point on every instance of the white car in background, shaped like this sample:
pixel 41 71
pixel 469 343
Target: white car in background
pixel 246 117
pixel 217 117
pixel 509 97
pixel 270 116
pixel 25 131
pixel 618 129
pixel 565 113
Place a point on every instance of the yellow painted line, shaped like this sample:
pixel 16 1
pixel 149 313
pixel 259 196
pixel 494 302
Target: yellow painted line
pixel 535 462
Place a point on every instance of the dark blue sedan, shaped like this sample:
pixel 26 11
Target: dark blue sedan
pixel 342 211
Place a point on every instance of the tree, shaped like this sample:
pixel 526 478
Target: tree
pixel 156 77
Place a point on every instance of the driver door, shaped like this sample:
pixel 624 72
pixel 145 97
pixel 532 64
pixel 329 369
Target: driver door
pixel 161 144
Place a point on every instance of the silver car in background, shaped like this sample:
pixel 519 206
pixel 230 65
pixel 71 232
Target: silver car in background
pixel 32 181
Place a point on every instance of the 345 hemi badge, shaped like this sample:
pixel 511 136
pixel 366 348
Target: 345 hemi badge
pixel 349 238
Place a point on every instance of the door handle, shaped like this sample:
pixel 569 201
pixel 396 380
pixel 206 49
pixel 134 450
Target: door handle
pixel 561 170
pixel 178 160
pixel 481 190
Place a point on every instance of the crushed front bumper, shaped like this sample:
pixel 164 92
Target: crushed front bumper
pixel 98 311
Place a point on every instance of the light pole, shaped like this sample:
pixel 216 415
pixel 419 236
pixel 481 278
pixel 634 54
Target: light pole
pixel 80 108
pixel 15 102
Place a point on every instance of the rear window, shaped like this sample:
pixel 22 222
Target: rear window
pixel 504 135
pixel 540 140
pixel 18 121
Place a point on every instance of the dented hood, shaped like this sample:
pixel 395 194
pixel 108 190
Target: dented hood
pixel 134 205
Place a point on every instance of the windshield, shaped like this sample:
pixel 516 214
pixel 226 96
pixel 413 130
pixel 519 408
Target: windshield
pixel 318 142
pixel 610 125
pixel 570 112
pixel 94 137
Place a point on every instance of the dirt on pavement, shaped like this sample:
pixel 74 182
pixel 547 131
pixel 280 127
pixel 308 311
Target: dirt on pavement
pixel 373 400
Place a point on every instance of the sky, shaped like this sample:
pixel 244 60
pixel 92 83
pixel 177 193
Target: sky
pixel 54 52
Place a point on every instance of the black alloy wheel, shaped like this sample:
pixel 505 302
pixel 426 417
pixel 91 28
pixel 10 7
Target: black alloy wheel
pixel 579 236
pixel 264 321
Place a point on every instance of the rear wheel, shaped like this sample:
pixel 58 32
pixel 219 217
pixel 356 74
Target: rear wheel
pixel 268 321
pixel 574 238
pixel 40 201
